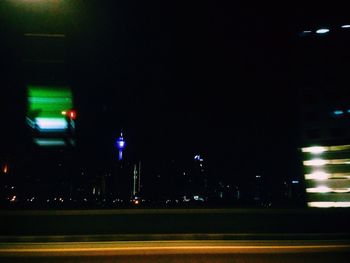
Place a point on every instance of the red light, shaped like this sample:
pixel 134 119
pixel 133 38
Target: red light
pixel 5 170
pixel 72 114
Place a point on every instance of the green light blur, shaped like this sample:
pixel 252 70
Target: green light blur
pixel 48 101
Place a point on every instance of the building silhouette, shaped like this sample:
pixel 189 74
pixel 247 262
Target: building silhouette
pixel 324 99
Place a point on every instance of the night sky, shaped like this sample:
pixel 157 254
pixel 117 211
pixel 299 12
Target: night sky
pixel 208 77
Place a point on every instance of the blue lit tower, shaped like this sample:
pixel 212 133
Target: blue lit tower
pixel 120 145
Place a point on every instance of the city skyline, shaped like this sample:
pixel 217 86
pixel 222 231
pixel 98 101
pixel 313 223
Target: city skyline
pixel 177 80
pixel 163 131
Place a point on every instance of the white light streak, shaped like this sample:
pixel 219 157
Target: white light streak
pixel 314 149
pixel 319 175
pixel 322 31
pixel 325 189
pixel 319 189
pixel 316 162
pixel 51 123
pixel 328 204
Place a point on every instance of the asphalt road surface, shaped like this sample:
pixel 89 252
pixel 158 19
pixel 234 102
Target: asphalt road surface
pixel 175 235
pixel 173 221
pixel 178 251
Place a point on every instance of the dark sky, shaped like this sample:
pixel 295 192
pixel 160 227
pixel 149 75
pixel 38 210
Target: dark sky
pixel 209 77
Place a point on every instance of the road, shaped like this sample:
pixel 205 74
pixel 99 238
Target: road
pixel 173 221
pixel 178 251
pixel 175 235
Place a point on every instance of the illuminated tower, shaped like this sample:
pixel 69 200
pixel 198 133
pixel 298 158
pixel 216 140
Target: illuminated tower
pixel 120 145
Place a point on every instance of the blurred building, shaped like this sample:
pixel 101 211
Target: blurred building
pixel 47 160
pixel 324 99
pixel 50 107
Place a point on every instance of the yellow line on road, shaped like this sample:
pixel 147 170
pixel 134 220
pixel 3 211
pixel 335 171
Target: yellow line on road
pixel 184 248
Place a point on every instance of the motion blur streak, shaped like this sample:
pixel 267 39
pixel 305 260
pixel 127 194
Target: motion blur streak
pixel 328 204
pixel 163 247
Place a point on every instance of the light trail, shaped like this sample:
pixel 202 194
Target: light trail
pixel 150 247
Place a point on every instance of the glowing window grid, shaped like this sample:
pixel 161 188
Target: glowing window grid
pixel 321 172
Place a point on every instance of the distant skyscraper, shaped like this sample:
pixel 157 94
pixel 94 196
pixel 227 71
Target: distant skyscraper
pixel 136 182
pixel 198 176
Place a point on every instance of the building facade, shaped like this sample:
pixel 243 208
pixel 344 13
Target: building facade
pixel 324 99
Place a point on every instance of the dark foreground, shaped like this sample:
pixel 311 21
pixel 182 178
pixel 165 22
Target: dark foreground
pixel 176 235
pixel 142 222
pixel 268 258
pixel 178 251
